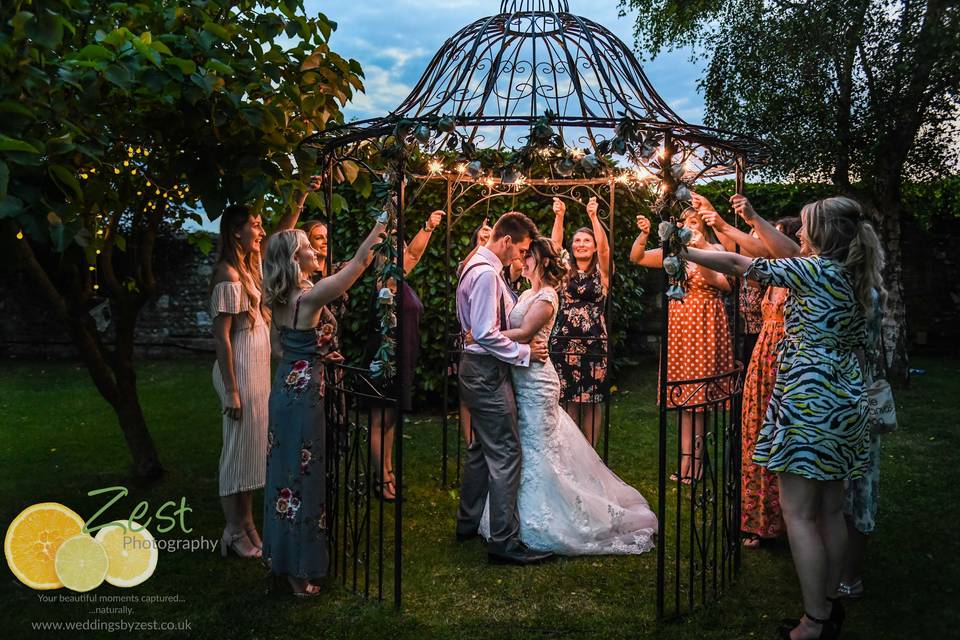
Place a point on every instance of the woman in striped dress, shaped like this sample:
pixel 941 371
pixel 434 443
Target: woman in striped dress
pixel 815 433
pixel 241 374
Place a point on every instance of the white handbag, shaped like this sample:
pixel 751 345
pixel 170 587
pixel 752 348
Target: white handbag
pixel 882 410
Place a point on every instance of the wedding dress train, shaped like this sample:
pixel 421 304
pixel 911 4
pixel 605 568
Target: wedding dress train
pixel 569 503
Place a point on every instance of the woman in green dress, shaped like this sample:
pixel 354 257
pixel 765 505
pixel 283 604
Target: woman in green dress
pixel 815 433
pixel 295 510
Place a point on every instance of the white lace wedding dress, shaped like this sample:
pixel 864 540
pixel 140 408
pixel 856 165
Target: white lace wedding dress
pixel 570 503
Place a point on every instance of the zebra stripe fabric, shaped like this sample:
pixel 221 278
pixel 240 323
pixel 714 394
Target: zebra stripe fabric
pixel 816 422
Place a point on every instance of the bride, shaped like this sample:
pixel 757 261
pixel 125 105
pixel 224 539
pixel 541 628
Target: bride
pixel 570 503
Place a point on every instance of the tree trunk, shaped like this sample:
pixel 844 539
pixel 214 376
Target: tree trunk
pixel 115 379
pixel 146 461
pixel 895 318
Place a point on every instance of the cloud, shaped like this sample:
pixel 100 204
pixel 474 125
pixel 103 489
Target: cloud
pixel 384 92
pixel 394 41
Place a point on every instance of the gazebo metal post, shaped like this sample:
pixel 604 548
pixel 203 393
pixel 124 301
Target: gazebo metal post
pixel 740 180
pixel 662 400
pixel 445 337
pixel 332 436
pixel 609 321
pixel 398 391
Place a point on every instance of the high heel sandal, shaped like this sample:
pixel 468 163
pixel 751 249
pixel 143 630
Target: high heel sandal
pixel 250 538
pixel 751 541
pixel 378 491
pixel 829 629
pixel 837 615
pixel 851 591
pixel 281 584
pixel 685 480
pixel 227 542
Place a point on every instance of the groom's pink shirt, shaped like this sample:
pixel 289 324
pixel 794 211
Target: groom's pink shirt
pixel 478 309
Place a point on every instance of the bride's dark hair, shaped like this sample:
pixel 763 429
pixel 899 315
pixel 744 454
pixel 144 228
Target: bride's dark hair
pixel 554 270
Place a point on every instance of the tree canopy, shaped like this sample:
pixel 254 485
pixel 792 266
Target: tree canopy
pixel 842 90
pixel 119 121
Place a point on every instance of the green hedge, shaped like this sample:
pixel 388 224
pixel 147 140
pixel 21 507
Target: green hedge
pixel 435 278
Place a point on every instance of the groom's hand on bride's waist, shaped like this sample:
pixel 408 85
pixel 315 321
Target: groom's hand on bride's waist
pixel 538 350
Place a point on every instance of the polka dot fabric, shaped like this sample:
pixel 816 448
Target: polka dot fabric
pixel 698 340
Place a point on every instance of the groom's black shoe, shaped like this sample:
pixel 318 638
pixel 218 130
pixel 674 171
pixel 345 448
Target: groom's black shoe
pixel 518 553
pixel 466 537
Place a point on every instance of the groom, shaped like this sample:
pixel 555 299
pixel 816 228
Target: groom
pixel 493 459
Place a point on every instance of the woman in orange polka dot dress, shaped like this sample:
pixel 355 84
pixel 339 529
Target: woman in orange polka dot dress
pixel 698 336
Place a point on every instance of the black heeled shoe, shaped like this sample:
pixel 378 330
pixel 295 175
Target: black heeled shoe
pixel 837 615
pixel 828 628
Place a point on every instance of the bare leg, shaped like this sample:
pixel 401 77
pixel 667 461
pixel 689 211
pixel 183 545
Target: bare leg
pixel 593 422
pixel 390 432
pixel 833 530
pixel 249 525
pixel 853 559
pixel 686 444
pixel 234 534
pixel 802 502
pixel 699 430
pixel 381 420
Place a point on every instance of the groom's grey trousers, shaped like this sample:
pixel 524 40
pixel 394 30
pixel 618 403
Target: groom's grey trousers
pixel 493 459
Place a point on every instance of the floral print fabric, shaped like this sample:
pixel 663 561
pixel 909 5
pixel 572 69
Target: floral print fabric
pixel 295 518
pixel 760 512
pixel 579 345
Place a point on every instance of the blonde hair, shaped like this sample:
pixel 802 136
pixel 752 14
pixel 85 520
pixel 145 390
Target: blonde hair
pixel 281 271
pixel 838 229
pixel 248 266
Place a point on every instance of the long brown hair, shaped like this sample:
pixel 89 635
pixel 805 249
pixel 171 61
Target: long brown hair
pixel 553 270
pixel 838 229
pixel 251 276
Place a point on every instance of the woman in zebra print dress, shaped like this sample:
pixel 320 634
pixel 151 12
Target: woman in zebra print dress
pixel 815 432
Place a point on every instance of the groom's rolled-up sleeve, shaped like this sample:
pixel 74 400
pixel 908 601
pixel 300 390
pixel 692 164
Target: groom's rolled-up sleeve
pixel 485 324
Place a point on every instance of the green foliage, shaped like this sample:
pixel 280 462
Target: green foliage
pixel 434 279
pixel 841 90
pixel 119 121
pixel 206 87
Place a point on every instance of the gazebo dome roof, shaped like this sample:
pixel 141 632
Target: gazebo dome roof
pixel 534 57
pixel 498 75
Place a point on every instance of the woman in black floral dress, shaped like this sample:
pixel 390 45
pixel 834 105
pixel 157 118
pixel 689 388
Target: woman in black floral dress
pixel 295 514
pixel 579 347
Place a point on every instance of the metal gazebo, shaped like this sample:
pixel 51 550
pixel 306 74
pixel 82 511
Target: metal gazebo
pixel 573 98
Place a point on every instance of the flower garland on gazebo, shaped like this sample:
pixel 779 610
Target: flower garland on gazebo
pixel 544 156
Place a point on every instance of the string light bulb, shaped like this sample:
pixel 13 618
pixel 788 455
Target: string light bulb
pixel 462 167
pixel 435 167
pixel 19 235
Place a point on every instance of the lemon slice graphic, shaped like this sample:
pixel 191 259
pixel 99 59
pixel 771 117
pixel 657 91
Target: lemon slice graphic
pixel 133 554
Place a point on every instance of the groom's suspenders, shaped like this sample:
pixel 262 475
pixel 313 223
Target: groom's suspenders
pixel 503 308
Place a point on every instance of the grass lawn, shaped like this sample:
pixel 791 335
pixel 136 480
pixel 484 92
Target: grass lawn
pixel 59 440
